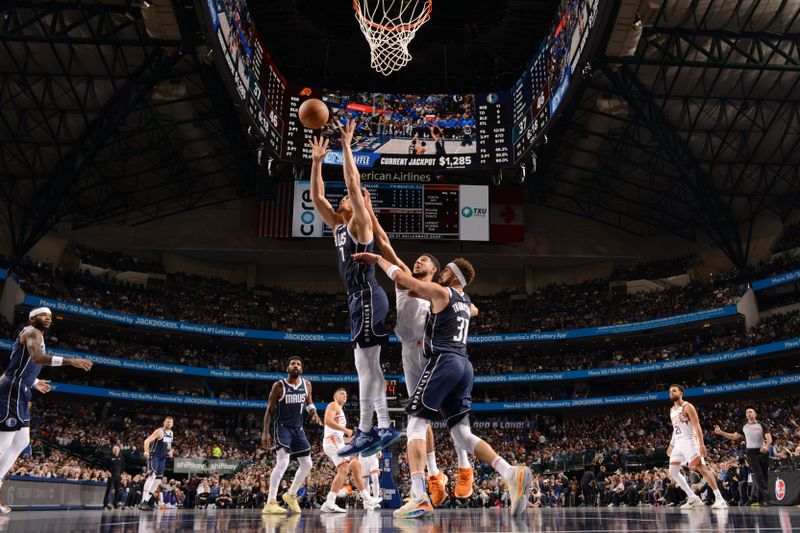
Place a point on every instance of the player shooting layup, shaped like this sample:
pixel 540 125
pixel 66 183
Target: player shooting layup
pixel 367 301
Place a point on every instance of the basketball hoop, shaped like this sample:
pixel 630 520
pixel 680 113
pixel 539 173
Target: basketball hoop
pixel 389 26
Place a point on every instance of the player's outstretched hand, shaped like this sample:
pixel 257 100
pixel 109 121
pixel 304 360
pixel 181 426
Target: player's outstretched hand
pixel 315 418
pixel 266 441
pixel 348 432
pixel 319 149
pixel 366 258
pixel 83 364
pixel 717 430
pixel 347 131
pixel 43 386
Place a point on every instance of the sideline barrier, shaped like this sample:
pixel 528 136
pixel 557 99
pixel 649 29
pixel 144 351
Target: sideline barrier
pixel 672 364
pixel 259 334
pixel 663 396
pixel 48 494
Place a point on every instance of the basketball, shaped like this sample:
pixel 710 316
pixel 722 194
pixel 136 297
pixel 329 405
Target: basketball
pixel 313 113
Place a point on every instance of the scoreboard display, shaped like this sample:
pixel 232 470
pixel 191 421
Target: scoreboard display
pixel 395 131
pixel 537 94
pixel 405 210
pixel 435 131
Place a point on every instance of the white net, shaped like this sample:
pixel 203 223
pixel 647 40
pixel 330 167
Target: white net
pixel 389 26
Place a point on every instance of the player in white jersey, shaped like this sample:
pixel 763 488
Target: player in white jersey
pixel 412 314
pixel 371 472
pixel 333 441
pixel 687 448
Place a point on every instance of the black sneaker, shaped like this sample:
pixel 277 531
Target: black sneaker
pixel 145 506
pixel 766 503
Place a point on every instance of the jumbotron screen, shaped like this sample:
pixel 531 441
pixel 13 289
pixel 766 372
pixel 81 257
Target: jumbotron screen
pixel 405 210
pixel 436 131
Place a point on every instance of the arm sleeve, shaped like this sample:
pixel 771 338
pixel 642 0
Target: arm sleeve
pixel 764 428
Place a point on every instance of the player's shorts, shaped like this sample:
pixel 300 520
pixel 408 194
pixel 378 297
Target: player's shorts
pixel 685 451
pixel 444 390
pixel 291 439
pixel 368 310
pixel 414 362
pixel 14 399
pixel 369 464
pixel 155 465
pixel 331 445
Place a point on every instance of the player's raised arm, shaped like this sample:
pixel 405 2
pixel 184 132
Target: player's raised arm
pixel 310 407
pixel 438 295
pixel 319 148
pixel 272 403
pixel 382 240
pixel 33 342
pixel 361 223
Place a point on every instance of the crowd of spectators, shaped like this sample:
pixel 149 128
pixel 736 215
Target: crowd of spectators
pixel 613 445
pixel 116 260
pixel 207 300
pixel 789 239
pixel 658 269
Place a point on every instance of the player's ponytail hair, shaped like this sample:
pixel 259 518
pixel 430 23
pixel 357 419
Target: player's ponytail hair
pixel 466 268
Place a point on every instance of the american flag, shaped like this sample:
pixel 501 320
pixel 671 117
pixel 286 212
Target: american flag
pixel 539 71
pixel 275 214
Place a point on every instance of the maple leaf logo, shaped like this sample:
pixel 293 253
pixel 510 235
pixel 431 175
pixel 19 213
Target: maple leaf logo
pixel 508 214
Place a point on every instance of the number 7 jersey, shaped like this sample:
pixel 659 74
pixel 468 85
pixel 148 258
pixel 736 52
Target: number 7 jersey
pixel 447 330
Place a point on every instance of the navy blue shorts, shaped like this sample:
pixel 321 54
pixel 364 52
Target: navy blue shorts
pixel 14 412
pixel 368 310
pixel 155 465
pixel 291 439
pixel 444 390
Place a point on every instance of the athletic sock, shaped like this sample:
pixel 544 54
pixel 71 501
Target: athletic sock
pixel 418 489
pixel 463 458
pixel 433 470
pixel 503 468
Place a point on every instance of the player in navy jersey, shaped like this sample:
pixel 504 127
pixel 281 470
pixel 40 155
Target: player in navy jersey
pixel 445 388
pixel 367 301
pixel 157 447
pixel 283 429
pixel 438 140
pixel 412 316
pixel 28 355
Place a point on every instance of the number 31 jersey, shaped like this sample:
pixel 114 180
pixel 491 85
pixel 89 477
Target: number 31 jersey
pixel 447 330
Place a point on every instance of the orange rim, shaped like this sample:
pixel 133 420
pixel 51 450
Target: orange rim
pixel 405 27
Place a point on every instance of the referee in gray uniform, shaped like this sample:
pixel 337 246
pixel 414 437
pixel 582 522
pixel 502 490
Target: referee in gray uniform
pixel 758 441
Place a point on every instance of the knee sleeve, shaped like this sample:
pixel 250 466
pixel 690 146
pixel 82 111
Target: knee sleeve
pixel 462 436
pixel 417 428
pixel 305 463
pixel 674 471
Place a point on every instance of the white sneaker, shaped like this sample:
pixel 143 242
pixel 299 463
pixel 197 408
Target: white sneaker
pixel 719 503
pixel 370 503
pixel 693 502
pixel 331 507
pixel 519 488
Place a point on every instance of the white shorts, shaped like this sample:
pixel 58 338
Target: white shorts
pixel 331 446
pixel 369 465
pixel 413 364
pixel 685 451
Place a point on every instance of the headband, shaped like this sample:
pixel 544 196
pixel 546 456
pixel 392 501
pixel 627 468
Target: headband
pixel 39 311
pixel 457 271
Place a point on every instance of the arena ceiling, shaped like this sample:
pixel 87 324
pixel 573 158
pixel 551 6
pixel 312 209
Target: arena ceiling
pixel 695 125
pixel 111 112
